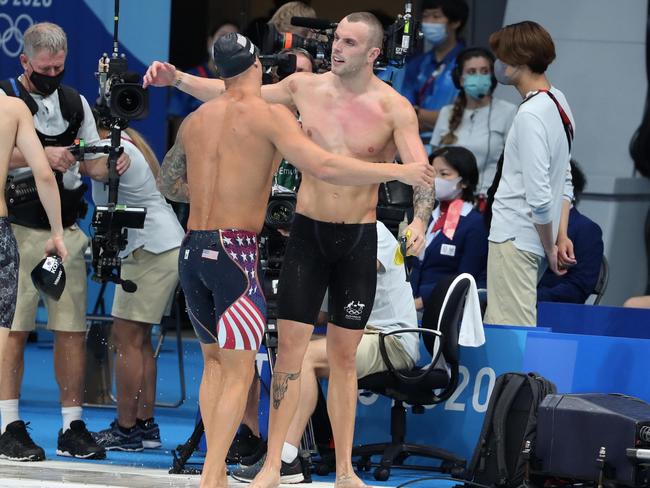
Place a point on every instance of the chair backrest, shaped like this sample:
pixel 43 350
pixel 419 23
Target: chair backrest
pixel 601 284
pixel 448 319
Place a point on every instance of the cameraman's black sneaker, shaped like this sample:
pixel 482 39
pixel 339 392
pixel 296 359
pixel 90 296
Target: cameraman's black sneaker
pixel 256 456
pixel 290 473
pixel 150 434
pixel 113 439
pixel 244 445
pixel 17 445
pixel 77 442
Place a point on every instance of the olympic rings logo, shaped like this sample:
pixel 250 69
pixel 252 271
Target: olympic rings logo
pixel 11 34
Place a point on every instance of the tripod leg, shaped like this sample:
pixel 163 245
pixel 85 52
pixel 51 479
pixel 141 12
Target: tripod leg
pixel 185 451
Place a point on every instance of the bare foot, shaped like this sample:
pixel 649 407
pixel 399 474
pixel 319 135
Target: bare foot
pixel 349 481
pixel 219 481
pixel 266 479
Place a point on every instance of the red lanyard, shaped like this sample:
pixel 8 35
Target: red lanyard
pixel 566 121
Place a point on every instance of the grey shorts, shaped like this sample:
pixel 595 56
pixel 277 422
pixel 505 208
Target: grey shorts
pixel 9 261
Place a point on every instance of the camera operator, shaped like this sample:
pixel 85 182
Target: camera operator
pixel 61 115
pixel 351 112
pixel 150 259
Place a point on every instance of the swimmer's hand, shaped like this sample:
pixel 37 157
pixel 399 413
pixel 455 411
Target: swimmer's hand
pixel 55 245
pixel 417 174
pixel 160 74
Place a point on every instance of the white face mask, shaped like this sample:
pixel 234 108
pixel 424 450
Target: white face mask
pixel 447 190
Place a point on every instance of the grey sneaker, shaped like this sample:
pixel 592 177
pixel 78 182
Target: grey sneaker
pixel 290 473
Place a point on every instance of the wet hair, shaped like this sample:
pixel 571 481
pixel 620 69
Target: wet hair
pixel 463 161
pixel 525 43
pixel 44 35
pixel 375 29
pixel 454 10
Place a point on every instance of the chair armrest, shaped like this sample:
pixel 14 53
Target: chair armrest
pixel 384 353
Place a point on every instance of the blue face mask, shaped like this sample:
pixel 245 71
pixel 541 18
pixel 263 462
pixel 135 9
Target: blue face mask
pixel 434 32
pixel 477 85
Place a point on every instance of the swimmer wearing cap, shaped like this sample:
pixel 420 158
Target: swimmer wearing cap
pixel 225 155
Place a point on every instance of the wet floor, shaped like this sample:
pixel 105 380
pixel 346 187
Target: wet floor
pixel 56 474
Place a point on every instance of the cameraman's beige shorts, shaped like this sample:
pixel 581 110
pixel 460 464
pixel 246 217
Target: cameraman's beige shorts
pixel 369 360
pixel 156 276
pixel 69 313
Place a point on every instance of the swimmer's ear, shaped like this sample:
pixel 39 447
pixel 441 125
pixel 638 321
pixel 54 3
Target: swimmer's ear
pixel 373 54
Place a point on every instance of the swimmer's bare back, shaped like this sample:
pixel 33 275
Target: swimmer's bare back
pixel 230 163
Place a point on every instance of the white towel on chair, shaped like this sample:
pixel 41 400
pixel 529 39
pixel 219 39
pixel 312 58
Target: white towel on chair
pixel 471 327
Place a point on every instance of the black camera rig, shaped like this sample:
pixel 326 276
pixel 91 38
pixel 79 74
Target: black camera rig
pixel 121 99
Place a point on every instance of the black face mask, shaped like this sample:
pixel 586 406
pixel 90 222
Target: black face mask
pixel 46 84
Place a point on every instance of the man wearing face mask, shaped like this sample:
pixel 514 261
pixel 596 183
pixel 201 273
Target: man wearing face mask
pixel 427 81
pixel 61 115
pixel 456 239
pixel 532 190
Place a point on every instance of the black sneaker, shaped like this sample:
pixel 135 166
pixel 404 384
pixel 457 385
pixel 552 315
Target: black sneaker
pixel 113 439
pixel 290 473
pixel 150 434
pixel 77 442
pixel 17 445
pixel 245 444
pixel 256 456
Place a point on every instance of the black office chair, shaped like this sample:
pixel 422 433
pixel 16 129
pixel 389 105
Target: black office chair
pixel 418 386
pixel 601 284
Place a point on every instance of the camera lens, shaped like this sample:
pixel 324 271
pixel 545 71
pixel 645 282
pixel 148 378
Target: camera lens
pixel 129 101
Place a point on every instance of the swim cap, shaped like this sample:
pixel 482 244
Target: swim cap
pixel 233 54
pixel 49 277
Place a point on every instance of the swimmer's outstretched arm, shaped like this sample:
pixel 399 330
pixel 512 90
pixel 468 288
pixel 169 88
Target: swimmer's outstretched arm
pixel 165 74
pixel 172 178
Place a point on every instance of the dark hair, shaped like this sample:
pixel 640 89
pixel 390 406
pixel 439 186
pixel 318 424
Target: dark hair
pixel 455 118
pixel 463 161
pixel 579 179
pixel 526 43
pixel 375 29
pixel 454 10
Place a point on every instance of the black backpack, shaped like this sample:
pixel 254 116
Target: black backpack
pixel 510 427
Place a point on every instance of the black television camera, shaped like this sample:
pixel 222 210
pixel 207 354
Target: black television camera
pixel 285 63
pixel 121 99
pixel 280 212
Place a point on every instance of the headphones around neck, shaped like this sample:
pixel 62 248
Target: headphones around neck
pixel 463 56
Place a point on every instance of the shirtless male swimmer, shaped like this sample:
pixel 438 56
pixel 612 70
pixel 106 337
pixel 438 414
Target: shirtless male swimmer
pixel 223 162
